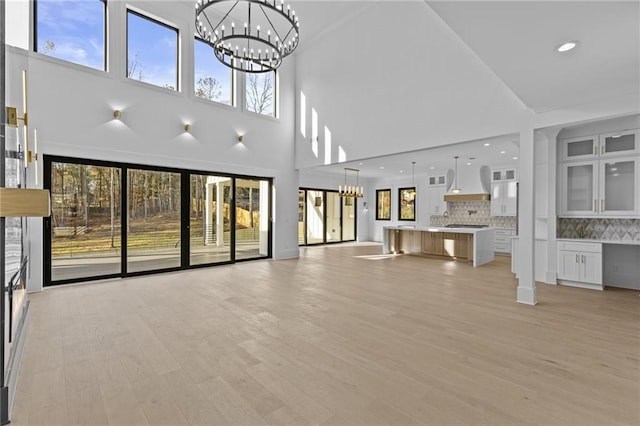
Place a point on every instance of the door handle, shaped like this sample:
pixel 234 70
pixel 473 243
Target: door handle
pixel 595 206
pixel 602 206
pixel 595 150
pixel 602 150
pixel 583 258
pixel 577 258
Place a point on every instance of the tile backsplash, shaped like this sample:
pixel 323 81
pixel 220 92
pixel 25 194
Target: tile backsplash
pixel 473 213
pixel 599 229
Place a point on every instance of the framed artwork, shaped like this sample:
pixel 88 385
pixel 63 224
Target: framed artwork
pixel 407 203
pixel 383 204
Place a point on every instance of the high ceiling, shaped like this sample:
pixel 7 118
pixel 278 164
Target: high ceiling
pixel 517 41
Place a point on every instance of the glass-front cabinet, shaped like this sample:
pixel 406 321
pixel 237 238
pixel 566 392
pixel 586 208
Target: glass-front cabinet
pixel 620 143
pixel 605 145
pixel 581 148
pixel 619 187
pixel 580 191
pixel 601 188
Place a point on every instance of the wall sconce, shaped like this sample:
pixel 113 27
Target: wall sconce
pixel 365 209
pixel 117 114
pixel 240 138
pixel 187 127
pixel 12 121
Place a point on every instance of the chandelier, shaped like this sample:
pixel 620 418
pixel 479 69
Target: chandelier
pixel 266 32
pixel 345 190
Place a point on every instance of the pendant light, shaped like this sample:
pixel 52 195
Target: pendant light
pixel 413 180
pixel 455 189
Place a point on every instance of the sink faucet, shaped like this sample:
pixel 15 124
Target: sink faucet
pixel 445 214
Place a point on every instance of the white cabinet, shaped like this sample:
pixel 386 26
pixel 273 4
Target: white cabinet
pixel 437 180
pixel 502 239
pixel 580 264
pixel 582 148
pixel 620 143
pixel 498 175
pixel 607 187
pixel 437 205
pixel 504 198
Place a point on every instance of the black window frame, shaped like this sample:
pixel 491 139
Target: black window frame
pixel 378 192
pixel 155 21
pixel 105 36
pixel 400 193
pixel 185 194
pixel 234 78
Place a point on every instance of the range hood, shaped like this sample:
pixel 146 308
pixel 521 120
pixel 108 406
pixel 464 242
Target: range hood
pixel 452 198
pixel 474 184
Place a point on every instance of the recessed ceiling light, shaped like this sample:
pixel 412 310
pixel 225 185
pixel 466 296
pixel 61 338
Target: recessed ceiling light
pixel 487 144
pixel 515 158
pixel 381 167
pixel 401 171
pixel 503 152
pixel 431 168
pixel 361 163
pixel 469 163
pixel 565 47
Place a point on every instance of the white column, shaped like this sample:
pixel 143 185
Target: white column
pixel 264 217
pixel 220 214
pixel 552 259
pixel 526 292
pixel 208 214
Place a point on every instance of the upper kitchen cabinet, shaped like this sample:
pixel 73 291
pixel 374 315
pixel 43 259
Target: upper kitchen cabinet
pixel 437 180
pixel 604 188
pixel 604 145
pixel 498 175
pixel 504 198
pixel 620 143
pixel 606 180
pixel 579 148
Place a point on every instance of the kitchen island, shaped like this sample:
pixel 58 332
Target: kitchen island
pixel 473 244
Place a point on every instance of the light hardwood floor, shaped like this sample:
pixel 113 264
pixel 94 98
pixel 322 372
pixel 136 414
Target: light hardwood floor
pixel 341 335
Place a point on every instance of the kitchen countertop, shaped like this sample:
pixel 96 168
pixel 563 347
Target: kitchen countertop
pixel 591 240
pixel 439 229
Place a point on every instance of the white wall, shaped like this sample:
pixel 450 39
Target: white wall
pixel 421 88
pixel 72 108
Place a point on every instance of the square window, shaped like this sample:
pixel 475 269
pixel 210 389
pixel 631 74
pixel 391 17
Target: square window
pixel 152 51
pixel 72 30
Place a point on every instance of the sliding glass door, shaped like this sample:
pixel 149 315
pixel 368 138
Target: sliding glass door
pixel 325 217
pixel 210 219
pixel 252 218
pixel 153 225
pixel 115 220
pixel 85 221
pixel 334 217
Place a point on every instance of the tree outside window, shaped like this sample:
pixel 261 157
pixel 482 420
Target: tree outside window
pixel 213 80
pixel 260 93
